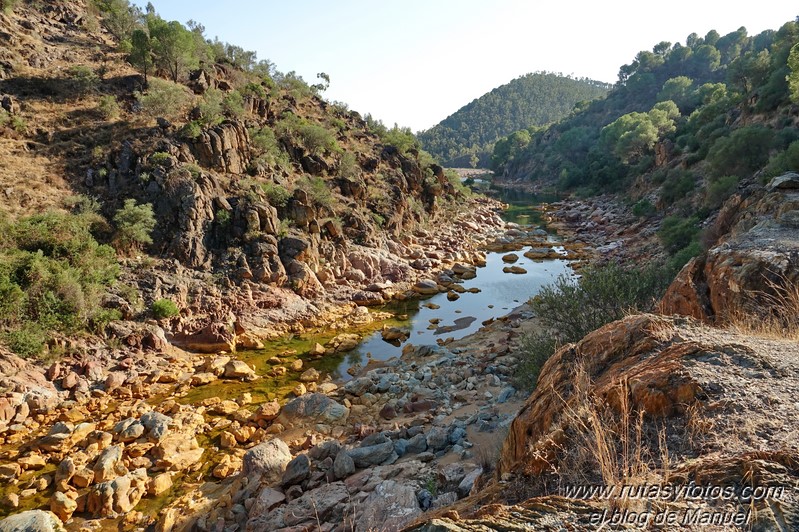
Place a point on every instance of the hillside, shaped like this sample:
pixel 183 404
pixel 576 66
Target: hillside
pixel 682 128
pixel 236 191
pixel 530 101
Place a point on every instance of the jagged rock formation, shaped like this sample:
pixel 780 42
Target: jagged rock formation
pixel 753 265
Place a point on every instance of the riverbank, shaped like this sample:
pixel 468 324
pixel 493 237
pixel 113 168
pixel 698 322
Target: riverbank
pixel 153 430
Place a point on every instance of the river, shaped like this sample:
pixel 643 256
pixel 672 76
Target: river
pixel 497 293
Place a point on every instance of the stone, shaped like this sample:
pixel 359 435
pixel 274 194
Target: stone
pixel 238 369
pixel 117 496
pixel 313 408
pixel 466 485
pixel 317 350
pixel 326 504
pixel 343 465
pixel 159 484
pixel 176 452
pixel 106 464
pixel 226 467
pixel 787 181
pixel 518 270
pixel 297 470
pixel 372 455
pixel 267 460
pixel 310 375
pixel 437 438
pixel 394 334
pixel 388 412
pixel 417 444
pixel 510 258
pixel 157 425
pixel 9 471
pixel 426 287
pixel 33 461
pixel 299 390
pixel 227 440
pixel 506 394
pixel 203 378
pixel 83 477
pixel 32 521
pixel 344 342
pixel 267 411
pixel 62 506
pixel 452 296
pixel 267 500
pixel 389 507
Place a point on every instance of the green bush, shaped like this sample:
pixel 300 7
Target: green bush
pixel 677 233
pixel 317 190
pixel 52 276
pixel 277 195
pixel 568 310
pixel 164 308
pixel 108 107
pixel 163 98
pixel 719 190
pixel 643 209
pixel 83 78
pixel 348 166
pixel 135 224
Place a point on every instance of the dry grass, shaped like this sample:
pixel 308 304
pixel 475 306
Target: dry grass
pixel 773 314
pixel 611 445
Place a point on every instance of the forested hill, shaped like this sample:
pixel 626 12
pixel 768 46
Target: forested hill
pixel 685 128
pixel 715 107
pixel 534 99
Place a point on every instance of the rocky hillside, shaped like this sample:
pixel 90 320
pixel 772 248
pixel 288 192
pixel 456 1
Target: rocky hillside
pixel 267 200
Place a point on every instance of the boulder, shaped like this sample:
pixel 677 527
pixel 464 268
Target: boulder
pixel 426 287
pixel 267 461
pixel 296 471
pixel 117 496
pixel 106 465
pixel 391 506
pixel 62 506
pixel 343 465
pixel 32 521
pixel 312 408
pixel 371 455
pixel 238 369
pixel 176 452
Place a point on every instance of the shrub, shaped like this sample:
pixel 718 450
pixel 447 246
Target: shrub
pixel 317 190
pixel 643 209
pixel 348 166
pixel 52 275
pixel 164 308
pixel 108 107
pixel 568 310
pixel 719 190
pixel 318 140
pixel 191 130
pixel 83 78
pixel 163 98
pixel 677 233
pixel 277 195
pixel 134 223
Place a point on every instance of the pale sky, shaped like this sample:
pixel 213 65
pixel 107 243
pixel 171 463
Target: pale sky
pixel 415 62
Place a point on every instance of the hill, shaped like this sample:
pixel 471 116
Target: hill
pixel 684 126
pixel 532 100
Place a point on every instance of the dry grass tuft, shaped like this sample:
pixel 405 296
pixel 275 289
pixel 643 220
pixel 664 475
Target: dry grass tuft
pixel 773 314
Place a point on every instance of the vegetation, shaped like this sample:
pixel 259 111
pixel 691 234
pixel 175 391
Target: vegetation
pixel 532 100
pixel 52 276
pixel 135 223
pixel 163 98
pixel 164 308
pixel 568 310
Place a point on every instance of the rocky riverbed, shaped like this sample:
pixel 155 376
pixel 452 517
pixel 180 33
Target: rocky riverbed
pixel 128 437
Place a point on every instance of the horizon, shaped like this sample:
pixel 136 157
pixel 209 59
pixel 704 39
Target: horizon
pixel 416 64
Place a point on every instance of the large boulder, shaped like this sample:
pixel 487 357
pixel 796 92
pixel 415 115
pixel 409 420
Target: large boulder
pixel 312 408
pixel 267 461
pixel 32 521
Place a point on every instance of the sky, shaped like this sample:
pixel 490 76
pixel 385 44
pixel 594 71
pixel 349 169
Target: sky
pixel 415 62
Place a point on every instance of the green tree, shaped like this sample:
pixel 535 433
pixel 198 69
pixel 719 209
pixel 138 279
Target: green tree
pixel 174 47
pixel 793 76
pixel 135 223
pixel 141 52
